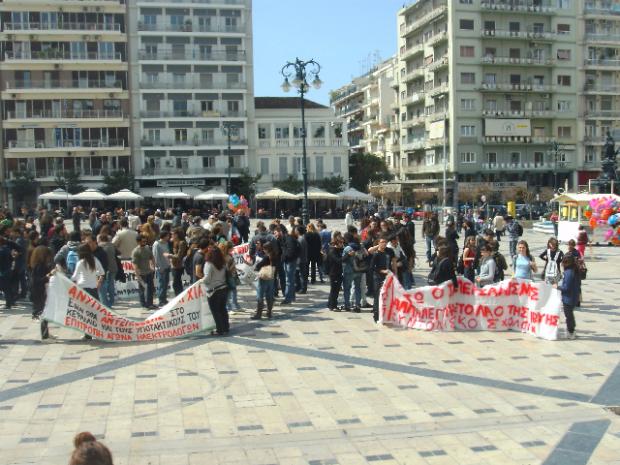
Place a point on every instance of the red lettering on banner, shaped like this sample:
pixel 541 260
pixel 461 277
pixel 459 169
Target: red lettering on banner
pixel 419 297
pixel 498 311
pixel 472 323
pixel 491 323
pixel 437 292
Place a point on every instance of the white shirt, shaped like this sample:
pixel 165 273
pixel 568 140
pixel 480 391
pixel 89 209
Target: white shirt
pixel 348 220
pixel 86 278
pixel 133 222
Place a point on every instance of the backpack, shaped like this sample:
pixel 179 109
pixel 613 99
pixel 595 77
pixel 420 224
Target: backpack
pixel 432 276
pixel 71 261
pixel 500 266
pixel 360 264
pixel 552 272
pixel 188 261
pixel 519 229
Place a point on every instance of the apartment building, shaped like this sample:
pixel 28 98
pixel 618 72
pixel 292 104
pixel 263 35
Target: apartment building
pixel 192 77
pixel 368 104
pixel 600 95
pixel 492 84
pixel 279 150
pixel 63 89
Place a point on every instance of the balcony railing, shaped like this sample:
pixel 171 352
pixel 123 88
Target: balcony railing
pixel 76 143
pixel 612 63
pixel 412 51
pixel 189 170
pixel 528 35
pixel 602 114
pixel 494 60
pixel 192 142
pixel 190 27
pixel 411 122
pixel 414 74
pixel 522 87
pixel 62 26
pixel 437 90
pixel 607 88
pixel 53 54
pixel 530 166
pixel 423 21
pixel 518 6
pixel 214 55
pixel 414 144
pixel 91 172
pixel 193 84
pixel 65 114
pixel 520 113
pixel 191 114
pixel 594 10
pixel 494 140
pixel 65 84
pixel 415 96
pixel 437 38
pixel 199 2
pixel 349 109
pixel 602 36
pixel 345 93
pixel 439 63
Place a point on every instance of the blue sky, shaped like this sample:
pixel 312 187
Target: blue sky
pixel 342 35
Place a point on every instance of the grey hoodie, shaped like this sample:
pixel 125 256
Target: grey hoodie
pixel 61 256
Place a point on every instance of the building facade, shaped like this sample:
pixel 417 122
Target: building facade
pixel 192 78
pixel 64 89
pixel 279 148
pixel 495 85
pixel 367 105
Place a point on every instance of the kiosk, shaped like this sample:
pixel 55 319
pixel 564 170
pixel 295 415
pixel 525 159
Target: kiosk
pixel 571 213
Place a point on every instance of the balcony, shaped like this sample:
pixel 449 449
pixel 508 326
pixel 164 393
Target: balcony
pixel 594 140
pixel 508 61
pixel 520 114
pixel 350 109
pixel 416 96
pixel 512 140
pixel 187 170
pixel 408 53
pixel 519 35
pixel 194 142
pixel 193 55
pixel 191 114
pixel 603 114
pixel 438 115
pixel 413 144
pixel 438 64
pixel 512 7
pixel 73 85
pixel 352 90
pixel 412 122
pixel 525 166
pixel 61 27
pixel 414 74
pixel 65 114
pixel 602 10
pixel 53 54
pixel 29 145
pixel 603 38
pixel 54 173
pixel 508 87
pixel 438 90
pixel 199 2
pixel 437 39
pixel 193 84
pixel 602 62
pixel 190 27
pixel 406 29
pixel 601 89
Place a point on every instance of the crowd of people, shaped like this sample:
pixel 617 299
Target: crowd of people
pixel 287 257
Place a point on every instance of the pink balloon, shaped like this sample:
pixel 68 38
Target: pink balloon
pixel 608 234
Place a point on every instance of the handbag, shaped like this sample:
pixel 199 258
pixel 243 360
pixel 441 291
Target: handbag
pixel 267 273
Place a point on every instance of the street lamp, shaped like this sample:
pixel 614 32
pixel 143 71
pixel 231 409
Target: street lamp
pixel 301 71
pixel 444 160
pixel 228 127
pixel 556 151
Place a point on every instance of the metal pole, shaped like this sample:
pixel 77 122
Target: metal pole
pixel 443 205
pixel 304 168
pixel 228 186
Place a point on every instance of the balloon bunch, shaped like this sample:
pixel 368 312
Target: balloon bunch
pixel 237 203
pixel 605 211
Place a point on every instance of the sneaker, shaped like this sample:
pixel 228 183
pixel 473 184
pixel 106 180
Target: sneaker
pixel 36 318
pixel 571 336
pixel 335 309
pixel 286 302
pixel 366 305
pixel 357 309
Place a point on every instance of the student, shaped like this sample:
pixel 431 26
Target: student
pixel 523 264
pixel 88 274
pixel 571 290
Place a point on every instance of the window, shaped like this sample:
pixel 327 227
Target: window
pixel 563 29
pixel 468 104
pixel 514 53
pixel 563 80
pixel 207 105
pixel 319 167
pixel 515 79
pixel 282 132
pixel 153 135
pixel 180 135
pixel 539 158
pixel 467 51
pixel 563 105
pixel 564 131
pixel 468 131
pixel 490 79
pixel 264 166
pixel 337 164
pixel 563 54
pixel 233 107
pixel 262 133
pixel 283 167
pixel 515 158
pixel 465 2
pixel 491 105
pixel 492 158
pixel 430 158
pixel 208 135
pixel 208 162
pixel 467 24
pixel 590 156
pixel 564 4
pixel 468 157
pixel 468 78
pixel 539 131
pixel 514 26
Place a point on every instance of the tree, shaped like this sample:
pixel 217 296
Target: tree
pixel 290 184
pixel 333 184
pixel 244 184
pixel 23 186
pixel 365 168
pixel 69 181
pixel 118 180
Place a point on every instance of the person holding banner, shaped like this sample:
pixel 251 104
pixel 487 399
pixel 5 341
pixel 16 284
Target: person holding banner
pixel 215 280
pixel 487 266
pixel 88 274
pixel 382 261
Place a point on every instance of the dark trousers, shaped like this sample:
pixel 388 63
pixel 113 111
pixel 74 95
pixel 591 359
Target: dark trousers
pixel 370 283
pixel 334 289
pixel 177 280
pixel 281 276
pixel 569 313
pixel 93 293
pixel 20 284
pixel 217 303
pixel 316 266
pixel 378 283
pixel 146 289
pixel 302 277
pixel 6 286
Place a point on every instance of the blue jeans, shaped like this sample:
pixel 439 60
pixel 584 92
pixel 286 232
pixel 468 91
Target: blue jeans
pixel 289 270
pixel 408 281
pixel 429 247
pixel 232 303
pixel 163 280
pixel 264 290
pixel 145 290
pixel 347 280
pixel 106 291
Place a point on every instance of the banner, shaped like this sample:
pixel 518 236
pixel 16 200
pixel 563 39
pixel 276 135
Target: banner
pixel 69 305
pixel 512 305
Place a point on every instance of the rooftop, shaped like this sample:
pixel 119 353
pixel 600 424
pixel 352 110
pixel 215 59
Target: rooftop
pixel 283 102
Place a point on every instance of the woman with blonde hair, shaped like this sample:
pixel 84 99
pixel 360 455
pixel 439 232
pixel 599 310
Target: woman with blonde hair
pixel 148 230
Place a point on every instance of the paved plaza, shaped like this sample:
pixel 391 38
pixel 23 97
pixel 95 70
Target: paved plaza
pixel 322 388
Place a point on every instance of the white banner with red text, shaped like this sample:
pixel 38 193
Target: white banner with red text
pixel 511 305
pixel 70 306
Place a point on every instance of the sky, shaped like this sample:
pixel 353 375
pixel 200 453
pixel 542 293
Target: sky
pixel 343 36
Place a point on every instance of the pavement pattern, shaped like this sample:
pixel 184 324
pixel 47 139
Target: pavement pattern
pixel 315 387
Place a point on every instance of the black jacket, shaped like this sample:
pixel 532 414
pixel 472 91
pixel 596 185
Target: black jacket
pixel 291 249
pixel 314 246
pixel 446 272
pixel 333 262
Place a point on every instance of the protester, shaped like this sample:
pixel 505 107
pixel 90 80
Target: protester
pixel 89 273
pixel 514 230
pixel 487 266
pixel 523 264
pixel 582 240
pixel 89 451
pixel 107 290
pixel 266 275
pixel 498 225
pixel 553 258
pixel 7 250
pixel 430 230
pixel 232 304
pixel 571 293
pixel 303 263
pixel 443 267
pixel 470 252
pixel 179 251
pixel 292 250
pixel 334 269
pixel 144 267
pixel 313 240
pixel 353 266
pixel 125 240
pixel 215 280
pixel 383 260
pixel 161 256
pixel 41 266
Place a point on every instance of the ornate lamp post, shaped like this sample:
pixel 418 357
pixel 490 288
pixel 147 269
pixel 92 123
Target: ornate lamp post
pixel 301 71
pixel 228 128
pixel 556 152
